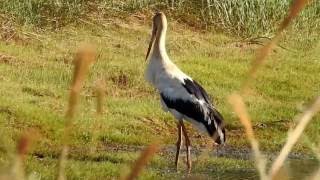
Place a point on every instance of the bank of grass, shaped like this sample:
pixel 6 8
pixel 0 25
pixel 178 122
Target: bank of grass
pixel 35 74
pixel 238 17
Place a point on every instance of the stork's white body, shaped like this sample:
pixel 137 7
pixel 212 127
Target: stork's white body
pixel 168 80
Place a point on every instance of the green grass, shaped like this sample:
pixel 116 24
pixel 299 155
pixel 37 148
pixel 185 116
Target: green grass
pixel 117 164
pixel 34 89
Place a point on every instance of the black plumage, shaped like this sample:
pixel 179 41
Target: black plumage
pixel 194 88
pixel 203 113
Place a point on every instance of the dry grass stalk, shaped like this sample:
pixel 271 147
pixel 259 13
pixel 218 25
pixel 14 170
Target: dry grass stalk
pixel 262 54
pixel 294 136
pixel 283 174
pixel 18 169
pixel 100 88
pixel 23 147
pixel 294 10
pixel 5 177
pixel 240 109
pixel 100 93
pixel 85 56
pixel 142 161
pixel 316 175
pixel 239 106
pixel 63 162
pixel 259 60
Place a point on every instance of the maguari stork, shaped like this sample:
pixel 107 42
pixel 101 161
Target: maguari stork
pixel 182 96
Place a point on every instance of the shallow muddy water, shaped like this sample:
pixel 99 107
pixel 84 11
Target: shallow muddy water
pixel 296 167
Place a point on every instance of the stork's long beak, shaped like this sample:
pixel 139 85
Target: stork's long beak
pixel 153 37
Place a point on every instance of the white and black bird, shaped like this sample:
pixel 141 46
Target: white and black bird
pixel 180 94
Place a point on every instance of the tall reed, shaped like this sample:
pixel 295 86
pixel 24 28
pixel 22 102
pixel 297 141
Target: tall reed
pixel 240 109
pixel 100 88
pixel 239 106
pixel 24 144
pixel 142 161
pixel 84 58
pixel 294 136
pixel 263 53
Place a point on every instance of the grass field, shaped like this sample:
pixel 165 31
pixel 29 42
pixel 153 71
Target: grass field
pixel 36 70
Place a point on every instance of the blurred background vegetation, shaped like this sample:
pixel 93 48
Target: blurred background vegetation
pixel 236 17
pixel 212 40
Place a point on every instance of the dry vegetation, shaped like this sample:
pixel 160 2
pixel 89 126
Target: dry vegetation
pixel 237 17
pixel 42 13
pixel 240 109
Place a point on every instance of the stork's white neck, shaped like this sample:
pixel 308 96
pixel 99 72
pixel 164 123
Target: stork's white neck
pixel 159 48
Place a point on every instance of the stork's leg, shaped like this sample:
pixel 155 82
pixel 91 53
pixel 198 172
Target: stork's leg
pixel 188 146
pixel 179 142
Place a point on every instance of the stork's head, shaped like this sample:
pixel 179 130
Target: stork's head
pixel 159 25
pixel 219 136
pixel 216 127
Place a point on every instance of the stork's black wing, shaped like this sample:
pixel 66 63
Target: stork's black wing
pixel 202 112
pixel 191 109
pixel 194 88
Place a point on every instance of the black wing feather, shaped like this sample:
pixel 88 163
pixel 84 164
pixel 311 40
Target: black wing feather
pixel 195 110
pixel 188 108
pixel 194 88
